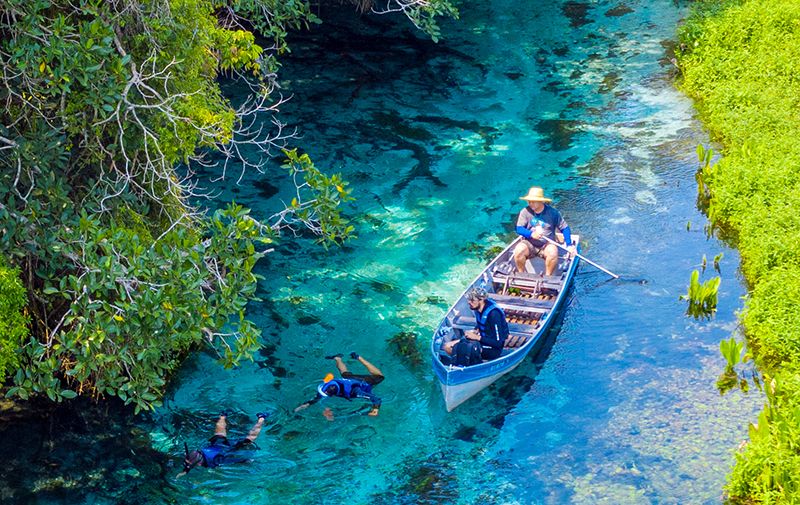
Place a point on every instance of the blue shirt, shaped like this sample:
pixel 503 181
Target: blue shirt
pixel 549 219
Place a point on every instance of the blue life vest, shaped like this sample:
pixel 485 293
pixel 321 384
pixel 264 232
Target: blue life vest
pixel 214 455
pixel 345 387
pixel 481 318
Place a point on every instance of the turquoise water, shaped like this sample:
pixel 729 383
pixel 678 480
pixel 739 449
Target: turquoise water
pixel 438 142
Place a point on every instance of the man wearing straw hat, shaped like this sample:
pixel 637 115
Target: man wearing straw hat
pixel 535 221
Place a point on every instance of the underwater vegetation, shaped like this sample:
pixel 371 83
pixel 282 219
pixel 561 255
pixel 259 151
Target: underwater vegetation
pixel 404 344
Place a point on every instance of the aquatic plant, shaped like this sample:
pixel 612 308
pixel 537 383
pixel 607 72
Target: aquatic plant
pixel 702 297
pixel 703 173
pixel 717 259
pixel 731 350
pixel 492 252
pixel 405 345
pixel 432 481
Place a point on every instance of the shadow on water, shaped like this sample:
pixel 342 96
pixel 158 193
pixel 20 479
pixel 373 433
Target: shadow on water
pixel 77 450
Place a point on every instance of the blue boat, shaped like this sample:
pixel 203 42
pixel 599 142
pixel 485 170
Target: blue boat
pixel 530 301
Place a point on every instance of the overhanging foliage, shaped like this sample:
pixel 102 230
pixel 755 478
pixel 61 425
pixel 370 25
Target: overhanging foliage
pixel 101 100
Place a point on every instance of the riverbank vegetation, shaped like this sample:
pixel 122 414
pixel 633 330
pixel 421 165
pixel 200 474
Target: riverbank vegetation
pixel 740 60
pixel 112 268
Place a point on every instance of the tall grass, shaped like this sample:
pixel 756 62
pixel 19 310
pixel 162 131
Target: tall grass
pixel 740 60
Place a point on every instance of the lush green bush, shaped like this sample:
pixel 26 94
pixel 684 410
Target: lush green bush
pixel 766 469
pixel 13 320
pixel 100 102
pixel 740 59
pixel 772 310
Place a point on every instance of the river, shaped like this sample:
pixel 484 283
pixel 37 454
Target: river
pixel 438 142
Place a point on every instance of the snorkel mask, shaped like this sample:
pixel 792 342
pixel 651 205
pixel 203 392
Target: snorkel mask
pixel 323 389
pixel 191 459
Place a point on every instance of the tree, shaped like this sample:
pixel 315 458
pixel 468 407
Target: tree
pixel 422 13
pixel 101 101
pixel 107 105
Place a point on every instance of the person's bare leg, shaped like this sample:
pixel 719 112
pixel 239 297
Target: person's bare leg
pixel 255 430
pixel 448 346
pixel 372 369
pixel 550 259
pixel 340 365
pixel 221 427
pixel 520 256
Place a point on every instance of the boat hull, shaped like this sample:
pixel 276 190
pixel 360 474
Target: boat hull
pixel 456 394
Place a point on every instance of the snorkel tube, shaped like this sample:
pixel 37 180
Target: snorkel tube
pixel 192 459
pixel 186 466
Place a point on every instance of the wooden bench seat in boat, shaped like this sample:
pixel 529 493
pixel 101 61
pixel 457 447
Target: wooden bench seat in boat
pixel 526 280
pixel 514 341
pixel 468 323
pixel 521 303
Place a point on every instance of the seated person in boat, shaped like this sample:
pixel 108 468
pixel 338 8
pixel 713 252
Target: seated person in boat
pixel 220 451
pixel 492 327
pixel 535 221
pixel 349 386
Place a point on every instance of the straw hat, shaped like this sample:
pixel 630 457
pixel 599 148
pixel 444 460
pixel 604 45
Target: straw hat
pixel 535 194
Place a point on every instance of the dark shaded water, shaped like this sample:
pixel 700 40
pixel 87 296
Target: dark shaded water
pixel 439 141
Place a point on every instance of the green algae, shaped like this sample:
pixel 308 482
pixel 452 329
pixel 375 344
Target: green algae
pixel 405 345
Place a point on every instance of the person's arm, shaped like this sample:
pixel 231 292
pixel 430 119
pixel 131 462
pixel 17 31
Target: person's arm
pixel 567 235
pixel 376 402
pixel 564 227
pixel 309 403
pixel 522 224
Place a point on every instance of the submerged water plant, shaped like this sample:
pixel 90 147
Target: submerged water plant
pixel 703 175
pixel 405 344
pixel 702 297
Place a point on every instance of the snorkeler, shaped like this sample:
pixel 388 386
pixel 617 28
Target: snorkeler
pixel 349 386
pixel 220 451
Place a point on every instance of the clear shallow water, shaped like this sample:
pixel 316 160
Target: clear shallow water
pixel 438 142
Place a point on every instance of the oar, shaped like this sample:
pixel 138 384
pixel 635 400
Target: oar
pixel 584 258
